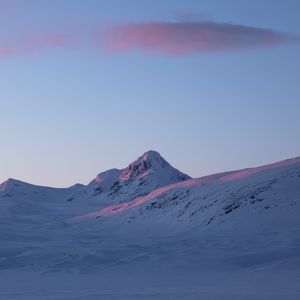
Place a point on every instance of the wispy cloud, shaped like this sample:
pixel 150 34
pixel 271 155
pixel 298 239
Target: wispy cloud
pixel 41 42
pixel 6 51
pixel 168 38
pixel 33 44
pixel 183 38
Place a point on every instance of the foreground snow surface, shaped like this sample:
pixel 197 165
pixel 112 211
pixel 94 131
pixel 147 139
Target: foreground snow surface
pixel 236 267
pixel 234 235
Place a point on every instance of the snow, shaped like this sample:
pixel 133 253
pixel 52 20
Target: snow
pixel 233 235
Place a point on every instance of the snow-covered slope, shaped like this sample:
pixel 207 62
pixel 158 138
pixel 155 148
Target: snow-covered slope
pixel 150 192
pixel 21 200
pixel 233 235
pixel 213 199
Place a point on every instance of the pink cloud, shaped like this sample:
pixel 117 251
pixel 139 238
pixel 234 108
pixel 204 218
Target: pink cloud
pixel 35 43
pixel 182 38
pixel 6 51
pixel 42 42
pixel 30 45
pixel 169 38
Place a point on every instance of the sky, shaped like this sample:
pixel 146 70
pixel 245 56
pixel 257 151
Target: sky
pixel 89 85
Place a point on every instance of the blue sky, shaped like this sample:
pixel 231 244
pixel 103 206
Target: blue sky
pixel 73 110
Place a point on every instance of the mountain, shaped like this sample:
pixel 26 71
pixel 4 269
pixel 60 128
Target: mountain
pixel 150 184
pixel 150 171
pixel 149 231
pixel 258 194
pixel 146 173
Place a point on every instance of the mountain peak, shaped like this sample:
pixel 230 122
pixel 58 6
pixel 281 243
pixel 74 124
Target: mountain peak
pixel 151 154
pixel 154 157
pixel 146 173
pixel 149 161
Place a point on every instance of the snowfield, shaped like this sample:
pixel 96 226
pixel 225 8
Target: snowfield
pixel 151 232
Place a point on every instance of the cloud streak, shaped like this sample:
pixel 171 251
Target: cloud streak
pixel 5 51
pixel 184 38
pixel 168 38
pixel 33 44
